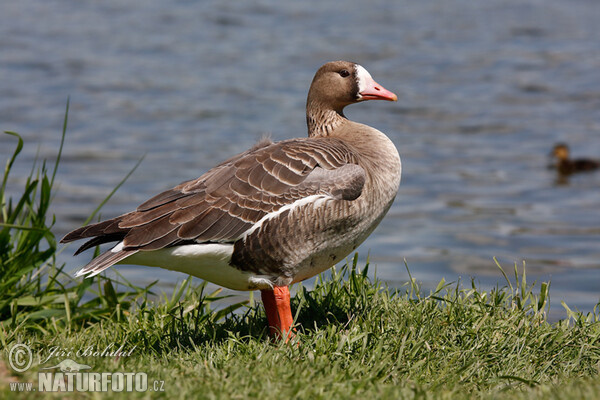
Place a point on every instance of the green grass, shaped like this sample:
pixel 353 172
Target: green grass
pixel 355 338
pixel 33 288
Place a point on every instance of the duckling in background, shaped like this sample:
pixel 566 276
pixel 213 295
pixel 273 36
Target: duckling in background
pixel 566 166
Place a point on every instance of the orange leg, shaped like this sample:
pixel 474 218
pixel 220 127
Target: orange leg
pixel 279 313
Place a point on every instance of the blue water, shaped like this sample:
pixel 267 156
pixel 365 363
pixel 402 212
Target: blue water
pixel 485 90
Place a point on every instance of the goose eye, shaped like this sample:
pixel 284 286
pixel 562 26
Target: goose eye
pixel 344 73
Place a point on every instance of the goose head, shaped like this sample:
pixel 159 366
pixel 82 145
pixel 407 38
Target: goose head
pixel 336 85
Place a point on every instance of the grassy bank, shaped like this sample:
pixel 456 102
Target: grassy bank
pixel 355 337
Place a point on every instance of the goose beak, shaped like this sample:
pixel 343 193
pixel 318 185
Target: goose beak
pixel 374 91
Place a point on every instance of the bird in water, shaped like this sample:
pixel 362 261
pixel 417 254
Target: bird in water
pixel 274 215
pixel 566 166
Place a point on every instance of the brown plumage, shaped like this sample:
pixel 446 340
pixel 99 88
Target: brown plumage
pixel 566 166
pixel 226 201
pixel 275 214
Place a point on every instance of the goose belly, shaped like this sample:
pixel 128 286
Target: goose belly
pixel 305 241
pixel 210 262
pixel 334 251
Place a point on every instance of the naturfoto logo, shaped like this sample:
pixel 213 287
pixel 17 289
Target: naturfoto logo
pixel 68 377
pixel 69 366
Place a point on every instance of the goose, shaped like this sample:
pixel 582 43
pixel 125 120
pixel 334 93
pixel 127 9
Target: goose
pixel 274 215
pixel 566 166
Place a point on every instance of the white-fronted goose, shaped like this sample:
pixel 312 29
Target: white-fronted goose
pixel 274 215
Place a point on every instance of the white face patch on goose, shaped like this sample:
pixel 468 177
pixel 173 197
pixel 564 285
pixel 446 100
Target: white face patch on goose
pixel 362 77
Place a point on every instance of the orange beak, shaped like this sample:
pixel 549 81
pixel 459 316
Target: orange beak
pixel 374 91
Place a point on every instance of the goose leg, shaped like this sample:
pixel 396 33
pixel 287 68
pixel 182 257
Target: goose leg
pixel 279 313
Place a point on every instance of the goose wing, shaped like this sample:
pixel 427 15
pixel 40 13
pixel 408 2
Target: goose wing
pixel 228 200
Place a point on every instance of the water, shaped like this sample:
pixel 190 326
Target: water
pixel 485 88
